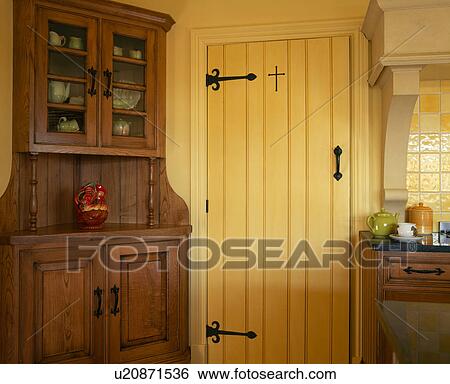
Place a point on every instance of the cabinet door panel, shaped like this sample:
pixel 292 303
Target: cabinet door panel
pixel 129 112
pixel 58 322
pixel 66 55
pixel 148 322
pixel 144 298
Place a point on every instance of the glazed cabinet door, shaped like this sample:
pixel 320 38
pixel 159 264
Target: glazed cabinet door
pixel 145 304
pixel 62 307
pixel 129 76
pixel 65 79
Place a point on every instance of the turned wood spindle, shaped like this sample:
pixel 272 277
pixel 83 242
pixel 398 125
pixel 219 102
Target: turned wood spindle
pixel 151 200
pixel 33 193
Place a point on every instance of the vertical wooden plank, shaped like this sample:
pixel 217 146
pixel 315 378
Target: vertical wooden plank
pixel 54 195
pixel 297 197
pixel 9 305
pixel 255 201
pixel 276 200
pixel 142 191
pixel 341 198
pixel 216 199
pixel 235 157
pixel 42 188
pixel 10 201
pixel 67 189
pixel 111 181
pixel 319 199
pixel 24 191
pixel 128 182
pixel 90 169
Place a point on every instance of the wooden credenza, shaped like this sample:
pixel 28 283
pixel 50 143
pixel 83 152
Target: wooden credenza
pixel 399 275
pixel 100 298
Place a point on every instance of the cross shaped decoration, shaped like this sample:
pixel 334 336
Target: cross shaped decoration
pixel 276 74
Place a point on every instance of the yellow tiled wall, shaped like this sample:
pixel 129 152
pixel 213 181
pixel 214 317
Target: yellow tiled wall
pixel 428 178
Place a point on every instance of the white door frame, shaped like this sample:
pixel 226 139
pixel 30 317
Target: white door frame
pixel 200 40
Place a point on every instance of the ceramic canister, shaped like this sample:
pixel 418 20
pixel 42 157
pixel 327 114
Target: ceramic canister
pixel 422 216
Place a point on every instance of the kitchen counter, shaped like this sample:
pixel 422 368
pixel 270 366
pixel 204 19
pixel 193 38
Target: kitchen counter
pixel 430 243
pixel 417 332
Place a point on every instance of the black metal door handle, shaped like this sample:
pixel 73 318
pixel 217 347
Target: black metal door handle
pixel 115 291
pixel 107 92
pixel 338 152
pixel 93 73
pixel 98 293
pixel 436 271
pixel 214 332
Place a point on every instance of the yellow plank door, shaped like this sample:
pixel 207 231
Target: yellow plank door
pixel 271 163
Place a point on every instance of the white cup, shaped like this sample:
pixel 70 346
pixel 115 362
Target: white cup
pixel 118 51
pixel 406 229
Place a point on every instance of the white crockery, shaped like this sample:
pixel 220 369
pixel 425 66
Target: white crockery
pixel 406 229
pixel 55 39
pixel 58 91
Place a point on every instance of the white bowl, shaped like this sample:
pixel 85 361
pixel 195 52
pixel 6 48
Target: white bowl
pixel 125 99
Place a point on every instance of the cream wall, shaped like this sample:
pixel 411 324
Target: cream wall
pixel 188 14
pixel 5 91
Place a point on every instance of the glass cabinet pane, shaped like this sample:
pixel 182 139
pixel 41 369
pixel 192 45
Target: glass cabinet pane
pixel 66 121
pixel 60 92
pixel 124 125
pixel 129 73
pixel 130 47
pixel 62 64
pixel 67 36
pixel 128 99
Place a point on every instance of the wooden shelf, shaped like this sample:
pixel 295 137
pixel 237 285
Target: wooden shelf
pixel 67 107
pixel 129 112
pixel 60 233
pixel 67 79
pixel 67 51
pixel 131 87
pixel 129 60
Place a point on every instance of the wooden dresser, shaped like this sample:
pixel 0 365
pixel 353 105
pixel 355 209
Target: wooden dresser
pixel 394 272
pixel 89 106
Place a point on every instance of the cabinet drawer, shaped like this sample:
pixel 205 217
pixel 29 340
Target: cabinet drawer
pixel 417 271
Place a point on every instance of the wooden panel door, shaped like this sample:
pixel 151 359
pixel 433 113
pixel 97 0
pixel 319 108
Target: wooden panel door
pixel 146 304
pixel 131 75
pixel 60 297
pixel 66 82
pixel 270 176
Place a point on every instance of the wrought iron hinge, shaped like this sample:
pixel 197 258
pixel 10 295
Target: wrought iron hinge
pixel 215 80
pixel 207 206
pixel 214 332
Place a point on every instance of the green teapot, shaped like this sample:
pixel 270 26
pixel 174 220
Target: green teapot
pixel 382 223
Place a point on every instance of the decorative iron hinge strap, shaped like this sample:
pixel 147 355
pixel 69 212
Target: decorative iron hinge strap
pixel 215 80
pixel 214 332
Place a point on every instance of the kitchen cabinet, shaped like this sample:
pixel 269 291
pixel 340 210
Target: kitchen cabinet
pixel 58 321
pixel 97 301
pixel 391 273
pixel 97 84
pixel 146 290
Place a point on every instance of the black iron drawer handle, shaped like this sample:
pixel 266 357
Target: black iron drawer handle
pixel 436 271
pixel 98 312
pixel 93 73
pixel 338 152
pixel 115 291
pixel 107 92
